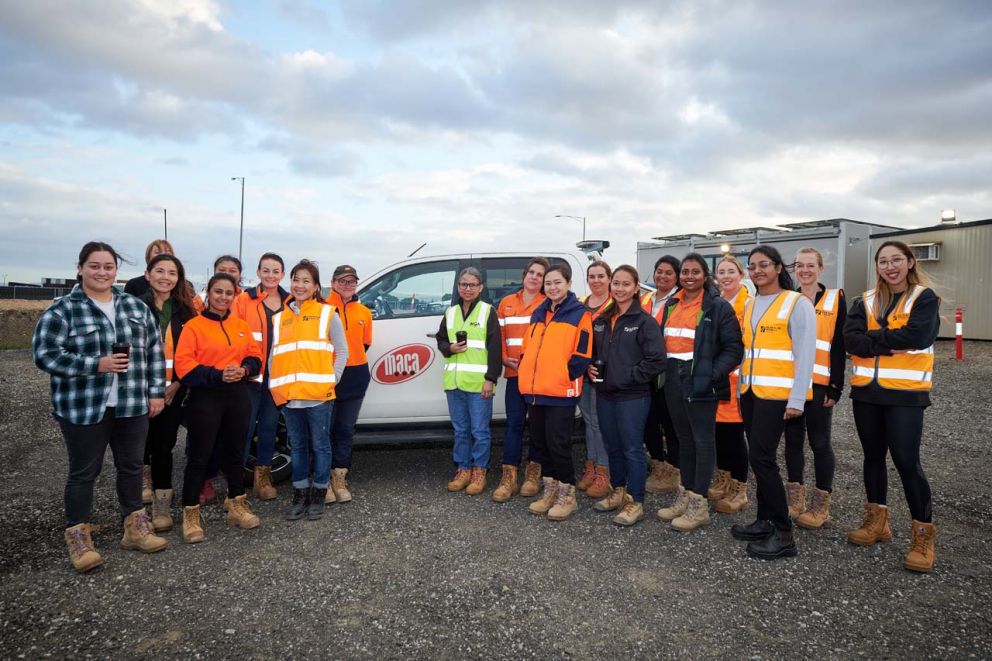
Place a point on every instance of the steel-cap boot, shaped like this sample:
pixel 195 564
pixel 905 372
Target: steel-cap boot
pixel 138 534
pixel 697 514
pixel 613 500
pixel 630 513
pixel 735 500
pixel 600 486
pixel 588 472
pixel 462 478
pixel 81 552
pixel 299 504
pixel 547 499
pixel 147 492
pixel 477 484
pixel 875 527
pixel 261 486
pixel 532 480
pixel 818 512
pixel 923 549
pixel 677 508
pixel 656 475
pixel 795 494
pixel 239 513
pixel 315 508
pixel 779 544
pixel 192 525
pixel 721 486
pixel 507 485
pixel 565 503
pixel 339 485
pixel 162 510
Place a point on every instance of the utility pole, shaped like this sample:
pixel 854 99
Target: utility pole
pixel 165 219
pixel 241 231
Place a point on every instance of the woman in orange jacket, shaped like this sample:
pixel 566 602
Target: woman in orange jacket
pixel 257 306
pixel 556 352
pixel 215 357
pixel 595 480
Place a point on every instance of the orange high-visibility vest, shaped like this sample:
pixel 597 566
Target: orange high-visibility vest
pixel 730 410
pixel 912 370
pixel 302 361
pixel 826 324
pixel 514 322
pixel 769 366
pixel 680 328
pixel 170 354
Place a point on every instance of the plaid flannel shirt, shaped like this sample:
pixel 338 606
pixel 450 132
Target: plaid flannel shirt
pixel 69 340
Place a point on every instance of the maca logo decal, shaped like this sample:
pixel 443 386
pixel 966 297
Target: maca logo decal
pixel 402 364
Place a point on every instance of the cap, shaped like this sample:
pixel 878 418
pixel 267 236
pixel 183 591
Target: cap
pixel 344 270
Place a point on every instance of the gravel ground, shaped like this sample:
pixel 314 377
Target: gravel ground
pixel 408 570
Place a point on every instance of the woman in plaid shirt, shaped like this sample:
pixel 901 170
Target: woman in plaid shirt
pixel 102 398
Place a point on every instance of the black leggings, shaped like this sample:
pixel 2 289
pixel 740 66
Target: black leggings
pixel 659 431
pixel 731 449
pixel 216 416
pixel 815 422
pixel 764 422
pixel 551 432
pixel 162 432
pixel 897 430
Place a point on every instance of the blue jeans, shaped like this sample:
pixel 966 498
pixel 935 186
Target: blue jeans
pixel 343 421
pixel 595 450
pixel 516 416
pixel 470 416
pixel 265 412
pixel 308 433
pixel 622 424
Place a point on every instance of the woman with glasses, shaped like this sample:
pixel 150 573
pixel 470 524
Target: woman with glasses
pixel 776 382
pixel 890 333
pixel 469 339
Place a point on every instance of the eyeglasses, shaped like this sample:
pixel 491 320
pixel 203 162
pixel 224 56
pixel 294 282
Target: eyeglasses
pixel 759 265
pixel 348 283
pixel 895 261
pixel 469 285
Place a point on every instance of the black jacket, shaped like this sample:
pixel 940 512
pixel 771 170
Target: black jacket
pixel 717 351
pixel 633 350
pixel 178 319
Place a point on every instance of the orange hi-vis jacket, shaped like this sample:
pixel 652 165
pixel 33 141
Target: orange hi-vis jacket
pixel 514 320
pixel 680 326
pixel 357 322
pixel 730 410
pixel 556 352
pixel 169 349
pixel 249 305
pixel 208 344
pixel 647 303
pixel 910 370
pixel 769 365
pixel 826 324
pixel 302 362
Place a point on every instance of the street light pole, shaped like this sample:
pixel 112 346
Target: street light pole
pixel 581 219
pixel 165 219
pixel 241 231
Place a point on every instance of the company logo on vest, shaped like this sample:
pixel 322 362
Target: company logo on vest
pixel 402 363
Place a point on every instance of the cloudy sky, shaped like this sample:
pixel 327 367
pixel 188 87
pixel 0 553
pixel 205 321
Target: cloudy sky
pixel 366 128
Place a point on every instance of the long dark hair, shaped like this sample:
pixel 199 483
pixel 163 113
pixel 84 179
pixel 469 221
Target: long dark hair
pixel 772 253
pixel 181 294
pixel 96 246
pixel 883 292
pixel 708 282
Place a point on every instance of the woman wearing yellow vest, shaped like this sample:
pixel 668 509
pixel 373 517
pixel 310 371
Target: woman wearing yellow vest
pixel 890 333
pixel 309 352
pixel 776 382
pixel 169 299
pixel 729 491
pixel 703 343
pixel 595 480
pixel 659 432
pixel 472 364
pixel 828 382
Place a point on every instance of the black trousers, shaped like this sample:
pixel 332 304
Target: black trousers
pixel 695 426
pixel 659 432
pixel 731 449
pixel 162 432
pixel 216 416
pixel 897 430
pixel 551 432
pixel 815 422
pixel 764 422
pixel 87 445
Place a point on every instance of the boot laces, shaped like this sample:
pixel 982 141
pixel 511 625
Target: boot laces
pixel 819 502
pixel 142 524
pixel 264 478
pixel 919 542
pixel 533 471
pixel 338 482
pixel 193 517
pixel 78 540
pixel 507 480
pixel 242 506
pixel 628 507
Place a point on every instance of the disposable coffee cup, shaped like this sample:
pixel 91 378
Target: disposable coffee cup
pixel 461 336
pixel 600 366
pixel 121 347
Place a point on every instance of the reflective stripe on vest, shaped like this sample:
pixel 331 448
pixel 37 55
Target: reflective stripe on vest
pixel 466 371
pixel 769 366
pixel 912 370
pixel 170 352
pixel 826 324
pixel 301 365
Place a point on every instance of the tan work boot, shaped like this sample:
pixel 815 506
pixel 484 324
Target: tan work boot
pixel 565 504
pixel 239 513
pixel 818 512
pixel 81 552
pixel 508 486
pixel 631 512
pixel 656 473
pixel 532 480
pixel 192 525
pixel 613 500
pixel 795 494
pixel 547 499
pixel 600 486
pixel 138 534
pixel 478 483
pixel 735 500
pixel 875 527
pixel 329 497
pixel 677 508
pixel 671 481
pixel 922 550
pixel 461 479
pixel 587 474
pixel 261 486
pixel 339 485
pixel 162 510
pixel 721 486
pixel 697 513
pixel 147 492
